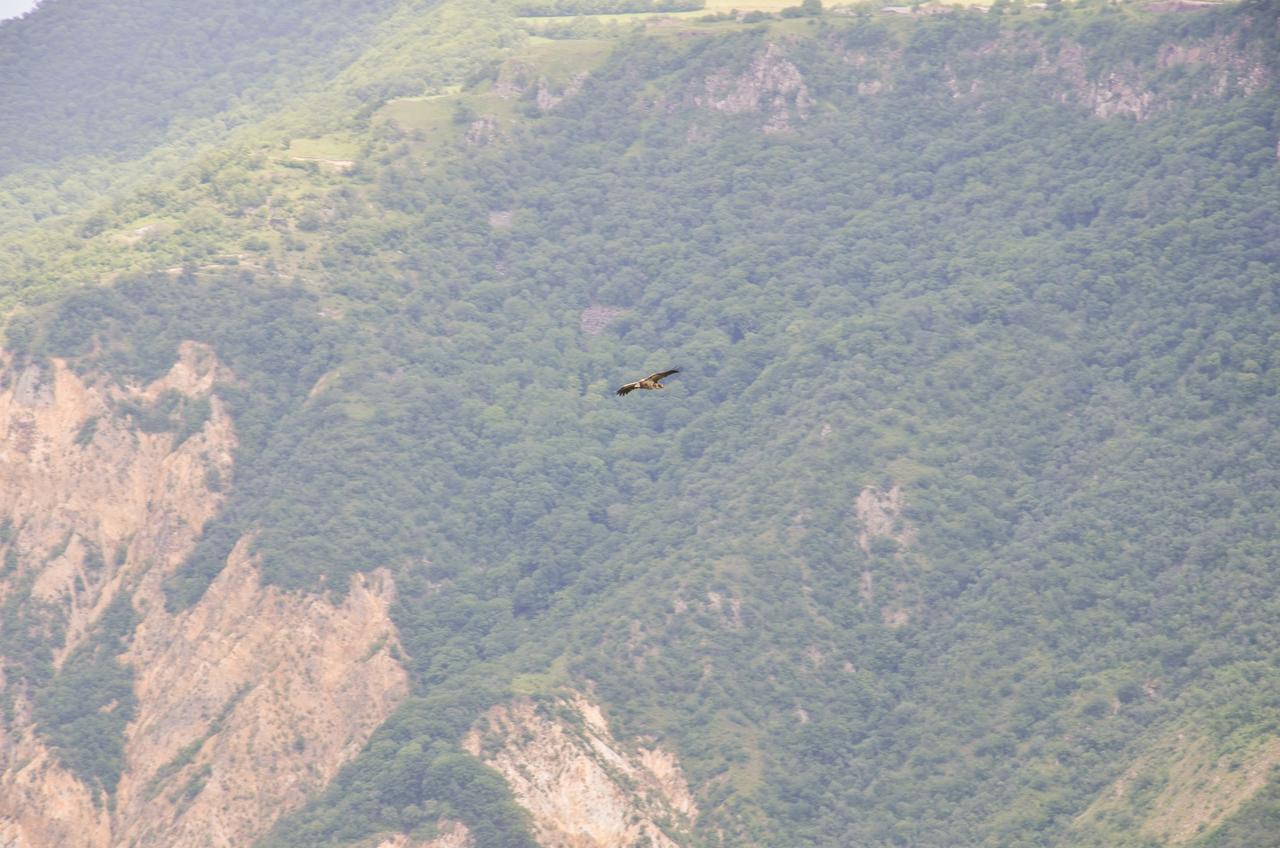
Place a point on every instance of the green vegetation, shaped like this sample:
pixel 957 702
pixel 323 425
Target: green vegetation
pixel 87 431
pixel 83 711
pixel 1057 333
pixel 199 57
pixel 1253 827
pixel 29 629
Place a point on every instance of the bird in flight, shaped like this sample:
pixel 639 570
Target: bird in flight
pixel 653 381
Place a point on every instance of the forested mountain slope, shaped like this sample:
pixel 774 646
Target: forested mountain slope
pixel 112 78
pixel 116 99
pixel 957 527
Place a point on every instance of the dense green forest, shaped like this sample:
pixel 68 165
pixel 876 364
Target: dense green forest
pixel 938 269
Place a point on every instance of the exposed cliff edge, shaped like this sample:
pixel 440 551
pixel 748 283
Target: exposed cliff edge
pixel 249 702
pixel 1174 72
pixel 772 86
pixel 241 705
pixel 1223 68
pixel 583 787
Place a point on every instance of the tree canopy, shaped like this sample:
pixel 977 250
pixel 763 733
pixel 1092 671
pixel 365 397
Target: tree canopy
pixel 938 268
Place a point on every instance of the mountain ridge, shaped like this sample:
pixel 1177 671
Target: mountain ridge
pixel 960 516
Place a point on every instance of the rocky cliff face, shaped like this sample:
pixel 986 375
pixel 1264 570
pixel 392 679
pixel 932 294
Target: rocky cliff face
pixel 879 515
pixel 770 87
pixel 1223 68
pixel 517 78
pixel 773 88
pixel 245 702
pixel 1216 66
pixel 583 787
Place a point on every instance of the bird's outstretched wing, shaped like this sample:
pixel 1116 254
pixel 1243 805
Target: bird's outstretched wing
pixel 649 382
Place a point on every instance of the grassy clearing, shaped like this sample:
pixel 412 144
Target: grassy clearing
pixel 907 471
pixel 325 148
pixel 437 121
pixel 432 115
pixel 560 59
pixel 556 680
pixel 794 26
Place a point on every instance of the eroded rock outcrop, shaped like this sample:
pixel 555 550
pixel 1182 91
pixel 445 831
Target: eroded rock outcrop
pixel 517 78
pixel 583 787
pixel 880 519
pixel 772 86
pixel 245 702
pixel 879 511
pixel 1225 68
pixel 250 701
pixel 92 499
pixel 1216 66
pixel 482 132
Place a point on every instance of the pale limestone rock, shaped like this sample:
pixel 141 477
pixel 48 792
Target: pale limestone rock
pixel 238 679
pixel 1124 88
pixel 583 787
pixel 282 688
pixel 879 512
pixel 772 86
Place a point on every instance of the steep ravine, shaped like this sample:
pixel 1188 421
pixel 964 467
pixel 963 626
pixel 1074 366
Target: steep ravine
pixel 246 702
